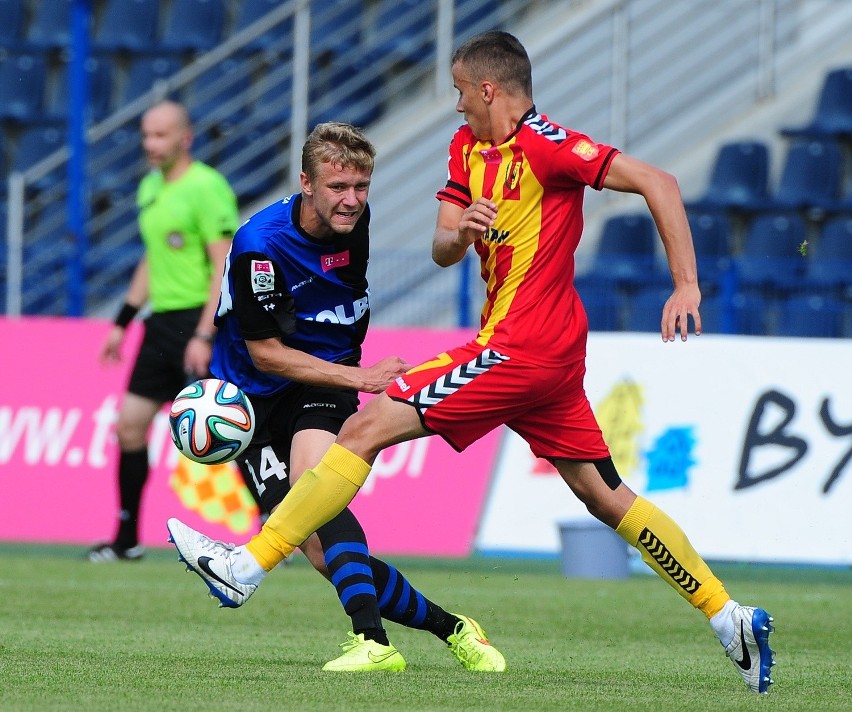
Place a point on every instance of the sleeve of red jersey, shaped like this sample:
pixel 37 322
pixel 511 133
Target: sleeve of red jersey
pixel 457 189
pixel 584 161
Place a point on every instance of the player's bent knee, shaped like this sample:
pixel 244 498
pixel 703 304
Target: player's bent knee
pixel 379 424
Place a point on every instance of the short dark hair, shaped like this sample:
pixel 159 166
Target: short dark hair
pixel 337 143
pixel 498 56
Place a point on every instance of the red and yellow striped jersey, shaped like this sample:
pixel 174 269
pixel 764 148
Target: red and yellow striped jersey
pixel 536 176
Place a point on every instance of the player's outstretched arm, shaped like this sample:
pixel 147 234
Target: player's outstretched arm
pixel 662 194
pixel 271 356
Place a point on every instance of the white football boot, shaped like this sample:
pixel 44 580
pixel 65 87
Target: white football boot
pixel 212 561
pixel 749 650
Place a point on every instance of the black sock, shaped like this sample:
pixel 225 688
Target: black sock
pixel 401 603
pixel 348 560
pixel 132 475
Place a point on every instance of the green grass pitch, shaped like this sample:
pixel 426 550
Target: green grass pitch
pixel 144 636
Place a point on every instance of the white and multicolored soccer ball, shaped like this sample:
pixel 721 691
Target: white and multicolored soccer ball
pixel 212 421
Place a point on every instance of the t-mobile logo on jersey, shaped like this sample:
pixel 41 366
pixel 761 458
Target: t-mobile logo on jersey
pixel 341 259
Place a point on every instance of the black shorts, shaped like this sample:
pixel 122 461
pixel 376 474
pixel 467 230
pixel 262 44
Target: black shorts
pixel 158 373
pixel 265 465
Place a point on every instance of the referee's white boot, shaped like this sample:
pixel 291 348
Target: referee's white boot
pixel 212 560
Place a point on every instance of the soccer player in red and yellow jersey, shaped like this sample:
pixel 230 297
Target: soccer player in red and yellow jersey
pixel 514 192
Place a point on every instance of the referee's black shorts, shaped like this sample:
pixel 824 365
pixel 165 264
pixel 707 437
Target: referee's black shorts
pixel 158 373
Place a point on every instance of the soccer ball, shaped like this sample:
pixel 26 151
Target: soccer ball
pixel 211 421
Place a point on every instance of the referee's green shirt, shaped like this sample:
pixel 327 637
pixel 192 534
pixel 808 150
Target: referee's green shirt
pixel 177 220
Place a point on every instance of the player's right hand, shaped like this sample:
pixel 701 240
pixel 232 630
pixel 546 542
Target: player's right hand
pixel 477 218
pixel 380 375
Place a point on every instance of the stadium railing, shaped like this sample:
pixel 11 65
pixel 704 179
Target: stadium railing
pixel 253 98
pixel 630 82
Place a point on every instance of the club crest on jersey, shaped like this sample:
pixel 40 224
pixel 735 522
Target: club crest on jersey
pixel 585 150
pixel 262 276
pixel 514 171
pixel 341 259
pixel 513 175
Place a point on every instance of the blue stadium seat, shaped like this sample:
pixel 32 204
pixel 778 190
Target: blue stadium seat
pixel 101 74
pixel 22 81
pixel 810 177
pixel 34 144
pixel 205 144
pixel 833 115
pixel 739 179
pixel 713 316
pixel 251 11
pixel 811 316
pixel 208 96
pixel 193 25
pixel 144 72
pixel 404 31
pixel 4 162
pixel 602 305
pixel 646 309
pixel 274 97
pixel 128 25
pixel 50 27
pixel 12 26
pixel 46 254
pixel 335 26
pixel 115 164
pixel 50 227
pixel 342 92
pixel 626 253
pixel 474 16
pixel 770 258
pixel 830 260
pixel 841 205
pixel 713 239
pixel 245 161
pixel 746 314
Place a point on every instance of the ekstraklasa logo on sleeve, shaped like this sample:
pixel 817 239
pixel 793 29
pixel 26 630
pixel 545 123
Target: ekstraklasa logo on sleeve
pixel 262 276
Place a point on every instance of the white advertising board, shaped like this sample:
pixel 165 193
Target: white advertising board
pixel 746 442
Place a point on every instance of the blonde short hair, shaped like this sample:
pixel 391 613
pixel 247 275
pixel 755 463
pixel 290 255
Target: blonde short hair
pixel 337 143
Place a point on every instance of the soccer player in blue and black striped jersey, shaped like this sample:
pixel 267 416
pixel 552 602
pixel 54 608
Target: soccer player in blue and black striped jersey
pixel 292 317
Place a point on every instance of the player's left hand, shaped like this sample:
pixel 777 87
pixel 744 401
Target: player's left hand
pixel 680 305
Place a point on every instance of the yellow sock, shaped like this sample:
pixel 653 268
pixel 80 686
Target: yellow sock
pixel 665 548
pixel 319 496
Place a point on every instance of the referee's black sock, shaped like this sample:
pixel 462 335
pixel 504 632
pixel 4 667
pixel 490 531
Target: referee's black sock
pixel 401 603
pixel 132 475
pixel 348 561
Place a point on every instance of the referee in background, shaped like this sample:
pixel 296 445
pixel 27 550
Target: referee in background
pixel 187 217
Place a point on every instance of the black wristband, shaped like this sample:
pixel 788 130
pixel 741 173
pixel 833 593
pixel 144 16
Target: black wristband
pixel 125 315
